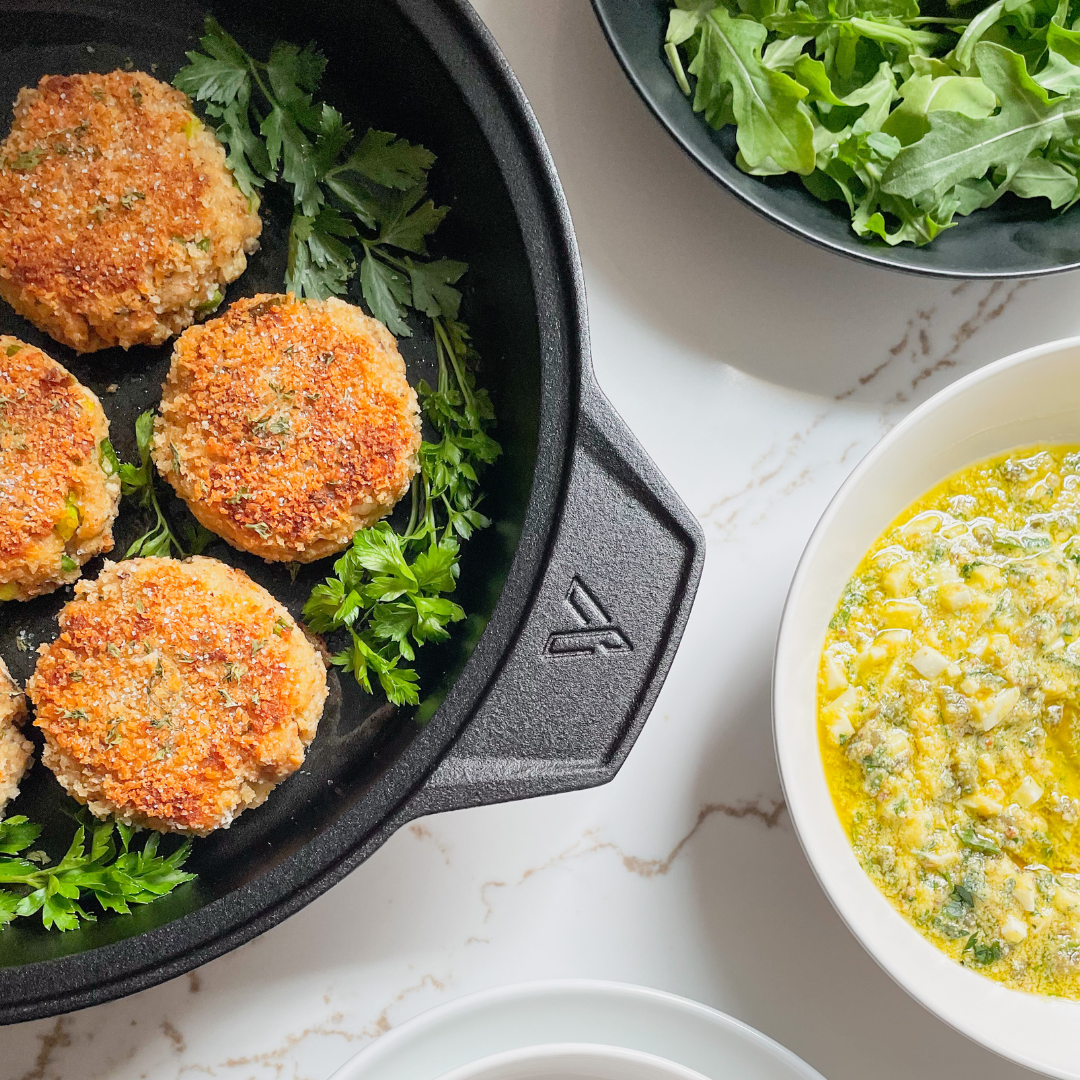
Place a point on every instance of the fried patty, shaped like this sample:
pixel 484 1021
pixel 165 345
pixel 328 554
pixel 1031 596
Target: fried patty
pixel 177 695
pixel 15 751
pixel 286 425
pixel 119 221
pixel 58 491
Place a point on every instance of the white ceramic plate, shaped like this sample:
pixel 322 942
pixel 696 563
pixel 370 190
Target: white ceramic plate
pixel 1031 397
pixel 575 1011
pixel 573 1061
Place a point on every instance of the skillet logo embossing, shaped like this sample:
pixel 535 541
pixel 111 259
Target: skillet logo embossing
pixel 595 633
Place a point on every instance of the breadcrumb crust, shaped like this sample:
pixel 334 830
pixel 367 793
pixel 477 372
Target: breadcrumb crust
pixel 16 751
pixel 58 500
pixel 286 425
pixel 118 216
pixel 177 695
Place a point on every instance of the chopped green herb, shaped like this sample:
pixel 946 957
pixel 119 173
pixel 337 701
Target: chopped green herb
pixel 983 954
pixel 978 841
pixel 67 564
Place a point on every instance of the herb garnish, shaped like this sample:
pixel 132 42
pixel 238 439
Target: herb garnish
pixel 983 953
pixel 138 480
pixel 116 876
pixel 363 201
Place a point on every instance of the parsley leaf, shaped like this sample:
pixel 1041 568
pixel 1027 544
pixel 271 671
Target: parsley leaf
pixel 103 867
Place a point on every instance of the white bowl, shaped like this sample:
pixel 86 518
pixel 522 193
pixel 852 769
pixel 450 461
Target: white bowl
pixel 573 1061
pixel 1031 397
pixel 499 1021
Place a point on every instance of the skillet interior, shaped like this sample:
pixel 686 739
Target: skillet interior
pixel 380 73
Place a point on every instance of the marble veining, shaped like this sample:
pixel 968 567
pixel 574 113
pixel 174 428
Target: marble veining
pixel 756 370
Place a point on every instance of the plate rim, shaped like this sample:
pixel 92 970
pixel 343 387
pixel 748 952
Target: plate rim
pixel 535 992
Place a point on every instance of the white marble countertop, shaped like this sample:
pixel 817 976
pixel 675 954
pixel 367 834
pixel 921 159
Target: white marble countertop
pixel 756 370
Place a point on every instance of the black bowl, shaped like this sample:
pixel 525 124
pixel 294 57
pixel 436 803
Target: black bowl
pixel 1014 238
pixel 576 595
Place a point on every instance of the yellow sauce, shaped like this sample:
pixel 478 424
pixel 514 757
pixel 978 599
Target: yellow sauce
pixel 949 717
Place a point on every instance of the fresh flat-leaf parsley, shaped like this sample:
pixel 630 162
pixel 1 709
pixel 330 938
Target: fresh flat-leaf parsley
pixel 361 210
pixel 909 116
pixel 138 481
pixel 103 867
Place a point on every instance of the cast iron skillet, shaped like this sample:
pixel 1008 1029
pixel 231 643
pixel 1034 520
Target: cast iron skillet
pixel 1013 238
pixel 578 593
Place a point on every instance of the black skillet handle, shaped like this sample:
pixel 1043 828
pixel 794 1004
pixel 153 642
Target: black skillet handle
pixel 588 663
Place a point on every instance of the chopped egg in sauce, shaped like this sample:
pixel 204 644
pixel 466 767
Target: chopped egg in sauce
pixel 949 717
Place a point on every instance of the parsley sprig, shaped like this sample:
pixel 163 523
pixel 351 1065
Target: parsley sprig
pixel 388 587
pixel 362 202
pixel 138 481
pixel 368 192
pixel 113 874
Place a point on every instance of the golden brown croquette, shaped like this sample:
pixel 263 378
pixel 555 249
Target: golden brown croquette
pixel 119 221
pixel 58 492
pixel 15 750
pixel 177 695
pixel 286 425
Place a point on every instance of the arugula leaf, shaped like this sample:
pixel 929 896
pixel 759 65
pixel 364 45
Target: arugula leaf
pixel 95 869
pixel 924 94
pixel 773 122
pixel 958 147
pixel 988 104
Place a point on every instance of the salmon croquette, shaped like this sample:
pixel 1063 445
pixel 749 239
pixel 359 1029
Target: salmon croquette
pixel 178 694
pixel 119 220
pixel 286 425
pixel 59 492
pixel 15 750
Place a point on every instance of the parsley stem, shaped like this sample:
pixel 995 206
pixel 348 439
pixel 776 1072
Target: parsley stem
pixel 455 360
pixel 414 508
pixel 251 63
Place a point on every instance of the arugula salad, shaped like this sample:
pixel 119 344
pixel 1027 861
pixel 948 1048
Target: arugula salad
pixel 910 114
